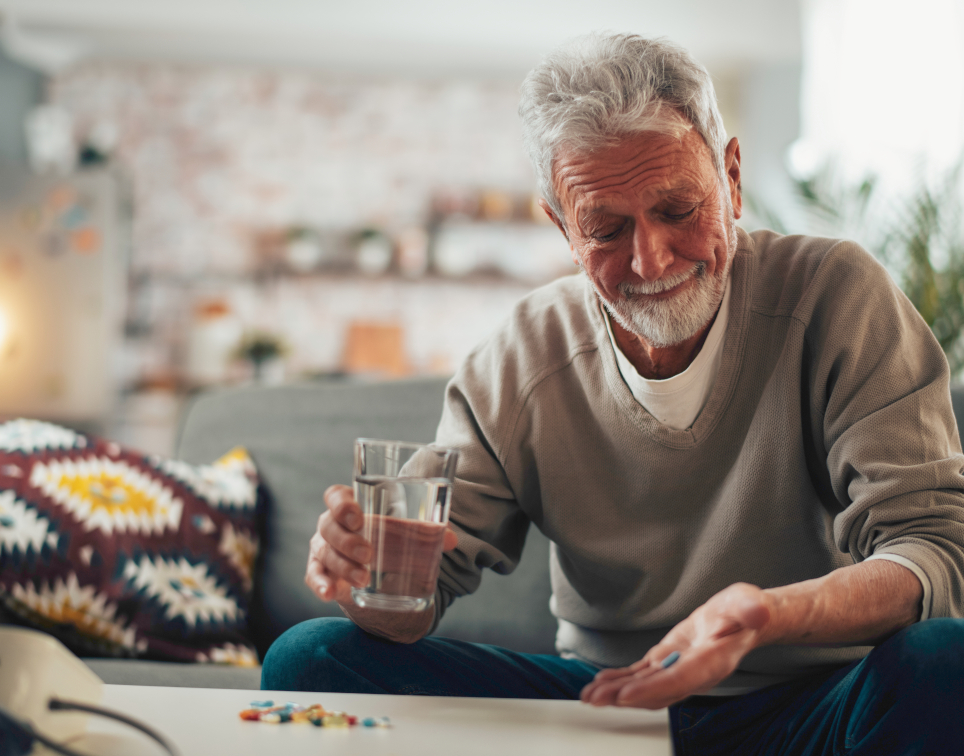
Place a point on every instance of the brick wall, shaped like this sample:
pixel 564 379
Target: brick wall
pixel 215 153
pixel 217 156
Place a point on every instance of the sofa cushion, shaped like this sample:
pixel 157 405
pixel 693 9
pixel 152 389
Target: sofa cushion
pixel 118 554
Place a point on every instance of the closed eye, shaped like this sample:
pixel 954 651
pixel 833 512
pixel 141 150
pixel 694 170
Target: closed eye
pixel 608 237
pixel 680 216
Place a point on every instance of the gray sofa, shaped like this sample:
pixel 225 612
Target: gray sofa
pixel 300 437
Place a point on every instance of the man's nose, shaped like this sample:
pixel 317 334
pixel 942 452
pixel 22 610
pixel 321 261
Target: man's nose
pixel 651 253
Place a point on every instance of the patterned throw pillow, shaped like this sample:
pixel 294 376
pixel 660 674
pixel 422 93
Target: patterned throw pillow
pixel 118 554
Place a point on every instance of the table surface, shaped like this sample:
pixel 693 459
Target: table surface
pixel 205 722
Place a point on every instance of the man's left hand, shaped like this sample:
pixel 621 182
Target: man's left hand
pixel 710 643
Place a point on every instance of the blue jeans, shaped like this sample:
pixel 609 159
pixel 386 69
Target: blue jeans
pixel 333 655
pixel 905 698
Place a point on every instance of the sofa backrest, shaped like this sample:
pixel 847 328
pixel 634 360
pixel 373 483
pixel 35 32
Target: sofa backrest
pixel 301 439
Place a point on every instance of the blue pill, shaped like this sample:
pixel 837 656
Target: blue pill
pixel 368 722
pixel 670 660
pixel 262 704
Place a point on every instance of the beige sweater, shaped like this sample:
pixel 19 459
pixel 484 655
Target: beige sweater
pixel 828 437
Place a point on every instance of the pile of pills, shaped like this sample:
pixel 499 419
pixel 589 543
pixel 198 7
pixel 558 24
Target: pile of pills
pixel 316 714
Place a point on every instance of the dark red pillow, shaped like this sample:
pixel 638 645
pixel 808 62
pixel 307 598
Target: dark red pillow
pixel 118 554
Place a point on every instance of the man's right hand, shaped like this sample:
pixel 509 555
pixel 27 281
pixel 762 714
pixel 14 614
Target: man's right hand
pixel 338 560
pixel 339 554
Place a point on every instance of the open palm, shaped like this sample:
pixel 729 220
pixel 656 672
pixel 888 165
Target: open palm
pixel 710 642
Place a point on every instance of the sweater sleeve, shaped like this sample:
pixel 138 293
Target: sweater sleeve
pixel 485 514
pixel 879 387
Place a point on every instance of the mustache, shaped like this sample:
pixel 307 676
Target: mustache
pixel 629 290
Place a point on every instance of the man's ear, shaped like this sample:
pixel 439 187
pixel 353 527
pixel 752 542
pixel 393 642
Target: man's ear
pixel 560 225
pixel 731 161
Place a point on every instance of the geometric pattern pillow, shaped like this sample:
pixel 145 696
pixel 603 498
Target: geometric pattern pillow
pixel 119 554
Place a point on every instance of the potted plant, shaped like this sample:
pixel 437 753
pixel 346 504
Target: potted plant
pixel 264 351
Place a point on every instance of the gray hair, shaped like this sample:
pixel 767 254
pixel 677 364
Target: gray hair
pixel 599 88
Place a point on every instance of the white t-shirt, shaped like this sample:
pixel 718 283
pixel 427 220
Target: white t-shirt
pixel 677 401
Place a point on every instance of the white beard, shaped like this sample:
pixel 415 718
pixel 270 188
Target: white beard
pixel 665 322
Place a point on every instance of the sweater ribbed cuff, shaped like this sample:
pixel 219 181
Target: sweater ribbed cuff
pixel 925 611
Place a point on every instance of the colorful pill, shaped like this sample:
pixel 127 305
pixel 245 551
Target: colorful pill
pixel 316 714
pixel 670 660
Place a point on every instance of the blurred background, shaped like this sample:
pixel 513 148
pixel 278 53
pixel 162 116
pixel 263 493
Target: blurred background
pixel 195 194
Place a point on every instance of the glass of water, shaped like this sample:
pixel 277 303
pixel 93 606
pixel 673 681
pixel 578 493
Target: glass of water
pixel 404 491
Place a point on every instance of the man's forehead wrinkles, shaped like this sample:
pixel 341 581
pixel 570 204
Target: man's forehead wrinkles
pixel 655 186
pixel 621 181
pixel 595 199
pixel 579 174
pixel 598 195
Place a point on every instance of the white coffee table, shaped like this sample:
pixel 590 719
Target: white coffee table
pixel 205 722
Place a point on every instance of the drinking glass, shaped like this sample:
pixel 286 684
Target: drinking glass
pixel 404 491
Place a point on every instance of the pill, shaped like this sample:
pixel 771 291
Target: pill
pixel 670 660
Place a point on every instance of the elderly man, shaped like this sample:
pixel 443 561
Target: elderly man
pixel 741 446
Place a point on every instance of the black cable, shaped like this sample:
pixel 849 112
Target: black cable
pixel 56 704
